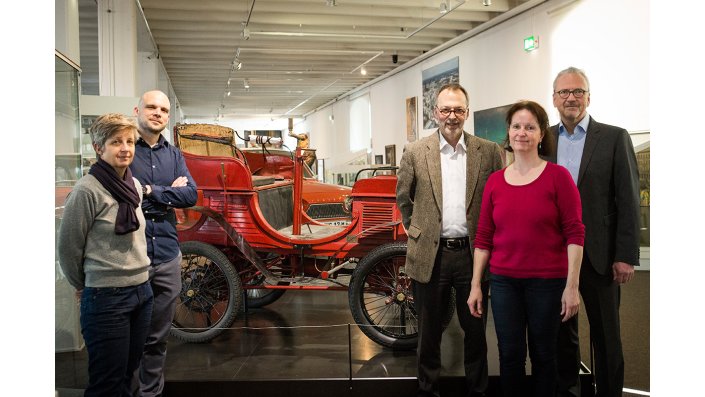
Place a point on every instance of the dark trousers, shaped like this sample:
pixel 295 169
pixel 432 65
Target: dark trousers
pixel 522 306
pixel 601 296
pixel 165 279
pixel 452 268
pixel 114 324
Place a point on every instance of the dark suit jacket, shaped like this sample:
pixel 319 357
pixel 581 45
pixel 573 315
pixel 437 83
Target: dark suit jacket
pixel 608 181
pixel 420 195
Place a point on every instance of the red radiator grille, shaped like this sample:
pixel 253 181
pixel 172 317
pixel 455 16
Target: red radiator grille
pixel 377 214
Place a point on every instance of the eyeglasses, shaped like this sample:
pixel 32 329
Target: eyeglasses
pixel 578 93
pixel 459 112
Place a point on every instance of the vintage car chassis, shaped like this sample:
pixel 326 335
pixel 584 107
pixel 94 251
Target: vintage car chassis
pixel 249 240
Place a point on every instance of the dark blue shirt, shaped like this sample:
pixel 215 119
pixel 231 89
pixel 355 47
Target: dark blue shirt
pixel 158 167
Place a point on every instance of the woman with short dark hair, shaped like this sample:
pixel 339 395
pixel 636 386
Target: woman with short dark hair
pixel 103 253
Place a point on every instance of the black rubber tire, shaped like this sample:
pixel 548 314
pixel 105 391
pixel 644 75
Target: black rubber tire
pixel 211 293
pixel 381 298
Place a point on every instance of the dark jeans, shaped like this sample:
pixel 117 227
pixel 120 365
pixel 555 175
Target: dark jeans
pixel 114 324
pixel 452 268
pixel 518 305
pixel 165 279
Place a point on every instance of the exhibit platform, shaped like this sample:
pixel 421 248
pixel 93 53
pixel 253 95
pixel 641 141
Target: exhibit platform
pixel 304 344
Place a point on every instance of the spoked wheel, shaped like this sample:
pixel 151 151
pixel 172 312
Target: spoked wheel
pixel 382 301
pixel 211 293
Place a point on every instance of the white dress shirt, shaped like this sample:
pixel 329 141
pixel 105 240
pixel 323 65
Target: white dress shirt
pixel 453 171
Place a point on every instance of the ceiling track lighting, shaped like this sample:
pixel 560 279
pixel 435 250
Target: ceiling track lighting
pixel 363 71
pixel 444 6
pixel 237 63
pixel 486 3
pixel 331 3
pixel 246 84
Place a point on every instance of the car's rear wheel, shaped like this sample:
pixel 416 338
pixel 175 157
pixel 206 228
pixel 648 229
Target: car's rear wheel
pixel 211 293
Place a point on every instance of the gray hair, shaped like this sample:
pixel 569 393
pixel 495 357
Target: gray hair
pixel 572 70
pixel 108 125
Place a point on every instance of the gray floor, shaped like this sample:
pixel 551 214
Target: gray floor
pixel 305 335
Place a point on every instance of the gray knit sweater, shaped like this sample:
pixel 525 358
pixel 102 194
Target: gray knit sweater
pixel 90 253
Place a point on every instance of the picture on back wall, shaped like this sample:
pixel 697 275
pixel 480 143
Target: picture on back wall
pixel 411 119
pixel 432 79
pixel 490 124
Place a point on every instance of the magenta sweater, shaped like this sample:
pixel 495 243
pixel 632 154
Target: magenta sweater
pixel 527 228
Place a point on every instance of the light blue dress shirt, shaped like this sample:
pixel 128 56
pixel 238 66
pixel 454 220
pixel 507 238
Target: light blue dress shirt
pixel 570 146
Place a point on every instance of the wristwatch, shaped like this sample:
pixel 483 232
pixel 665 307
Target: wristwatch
pixel 144 190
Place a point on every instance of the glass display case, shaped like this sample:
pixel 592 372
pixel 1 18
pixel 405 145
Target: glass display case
pixel 67 170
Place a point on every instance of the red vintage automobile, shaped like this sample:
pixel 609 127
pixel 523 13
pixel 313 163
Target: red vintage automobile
pixel 250 233
pixel 323 202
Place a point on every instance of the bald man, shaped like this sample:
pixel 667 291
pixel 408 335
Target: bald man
pixel 166 184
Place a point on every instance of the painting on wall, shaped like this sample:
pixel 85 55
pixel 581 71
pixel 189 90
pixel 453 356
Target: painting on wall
pixel 390 154
pixel 411 119
pixel 432 79
pixel 490 124
pixel 379 159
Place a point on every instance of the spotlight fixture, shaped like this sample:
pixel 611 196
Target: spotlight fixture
pixel 363 71
pixel 246 83
pixel 395 58
pixel 246 33
pixel 444 6
pixel 486 3
pixel 237 63
pixel 228 93
pixel 330 3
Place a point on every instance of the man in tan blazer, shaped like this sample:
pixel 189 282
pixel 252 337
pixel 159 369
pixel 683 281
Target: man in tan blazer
pixel 439 190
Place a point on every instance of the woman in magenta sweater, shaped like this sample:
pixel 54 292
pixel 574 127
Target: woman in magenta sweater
pixel 531 234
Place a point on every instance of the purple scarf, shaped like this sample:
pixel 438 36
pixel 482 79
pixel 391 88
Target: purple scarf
pixel 123 191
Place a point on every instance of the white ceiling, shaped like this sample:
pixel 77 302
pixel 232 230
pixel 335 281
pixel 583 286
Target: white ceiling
pixel 296 55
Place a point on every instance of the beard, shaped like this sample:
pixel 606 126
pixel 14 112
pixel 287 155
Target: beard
pixel 452 129
pixel 147 127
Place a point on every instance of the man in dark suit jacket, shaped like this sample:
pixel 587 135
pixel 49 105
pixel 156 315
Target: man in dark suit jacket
pixel 602 161
pixel 439 189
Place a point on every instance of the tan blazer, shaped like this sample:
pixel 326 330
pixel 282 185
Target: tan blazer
pixel 420 195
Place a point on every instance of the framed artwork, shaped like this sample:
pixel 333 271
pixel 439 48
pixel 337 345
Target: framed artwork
pixel 411 119
pixel 433 79
pixel 390 154
pixel 490 124
pixel 379 159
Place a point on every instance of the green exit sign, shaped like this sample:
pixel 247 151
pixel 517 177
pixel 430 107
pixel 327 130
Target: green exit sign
pixel 531 43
